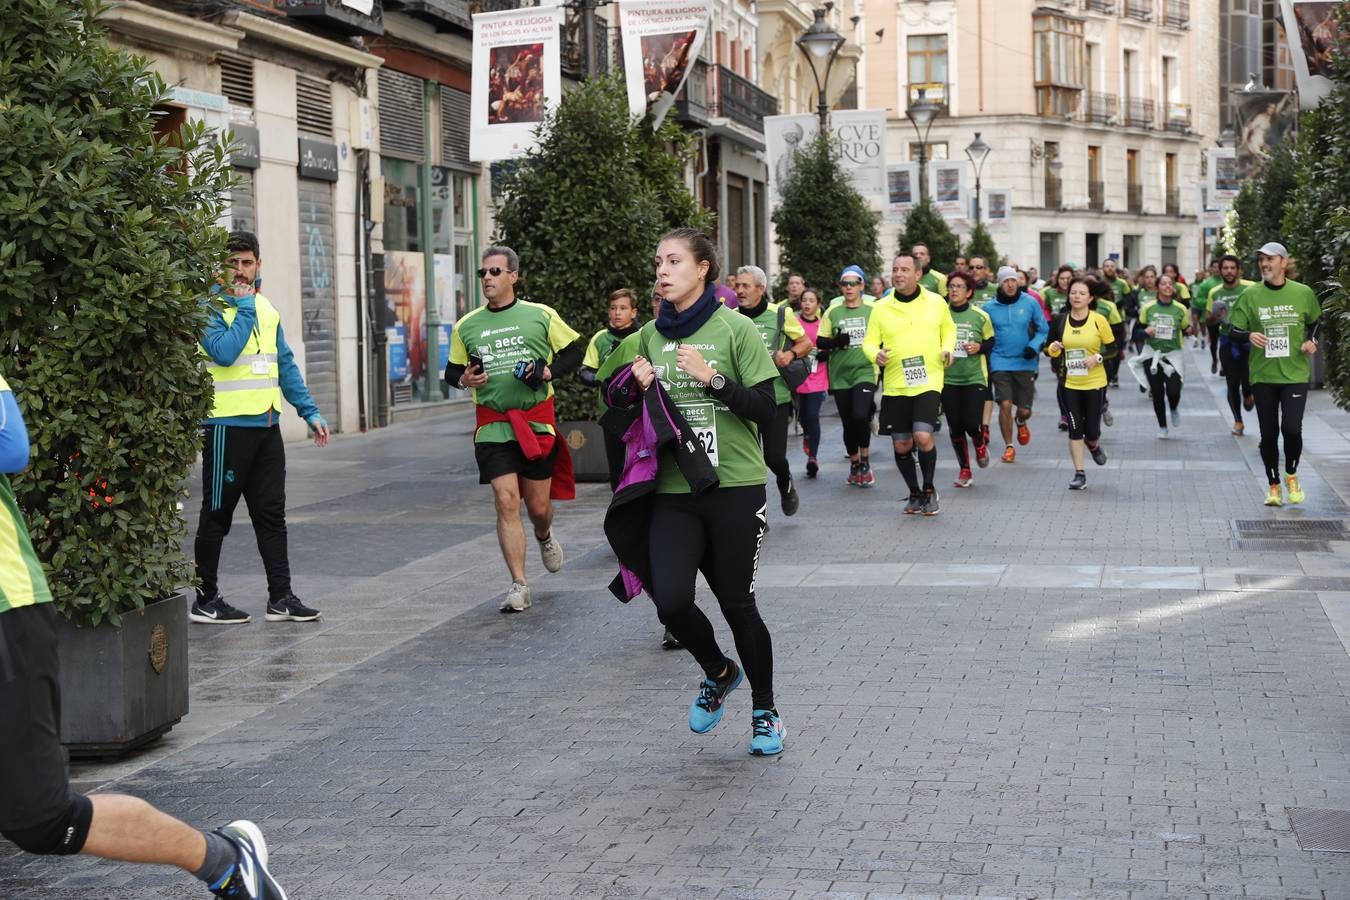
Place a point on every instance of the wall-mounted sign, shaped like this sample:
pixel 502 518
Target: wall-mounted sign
pixel 318 159
pixel 247 147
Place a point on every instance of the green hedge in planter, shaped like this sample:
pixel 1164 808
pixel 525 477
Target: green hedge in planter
pixel 107 241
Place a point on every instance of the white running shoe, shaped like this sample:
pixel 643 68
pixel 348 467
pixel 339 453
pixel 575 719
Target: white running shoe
pixel 517 599
pixel 551 552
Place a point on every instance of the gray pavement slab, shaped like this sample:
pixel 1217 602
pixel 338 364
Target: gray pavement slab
pixel 1037 693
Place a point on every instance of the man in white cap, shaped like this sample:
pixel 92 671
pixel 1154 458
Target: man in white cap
pixel 1280 317
pixel 1020 331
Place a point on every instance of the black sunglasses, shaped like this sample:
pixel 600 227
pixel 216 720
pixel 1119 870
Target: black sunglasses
pixel 850 284
pixel 494 271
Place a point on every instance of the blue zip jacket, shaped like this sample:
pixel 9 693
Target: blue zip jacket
pixel 224 343
pixel 1017 326
pixel 13 436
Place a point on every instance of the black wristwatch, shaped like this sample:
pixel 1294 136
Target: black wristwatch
pixel 717 382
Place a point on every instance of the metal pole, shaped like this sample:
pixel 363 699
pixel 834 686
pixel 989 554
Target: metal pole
pixel 923 168
pixel 587 38
pixel 432 325
pixel 823 110
pixel 977 197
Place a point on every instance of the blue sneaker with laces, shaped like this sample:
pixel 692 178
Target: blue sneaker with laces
pixel 769 732
pixel 706 710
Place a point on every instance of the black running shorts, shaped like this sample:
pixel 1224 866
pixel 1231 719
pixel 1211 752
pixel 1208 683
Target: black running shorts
pixel 496 460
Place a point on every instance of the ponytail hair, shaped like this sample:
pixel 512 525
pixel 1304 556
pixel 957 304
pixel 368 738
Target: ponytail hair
pixel 701 246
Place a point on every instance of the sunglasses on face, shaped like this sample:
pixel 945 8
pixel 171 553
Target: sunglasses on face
pixel 850 284
pixel 494 271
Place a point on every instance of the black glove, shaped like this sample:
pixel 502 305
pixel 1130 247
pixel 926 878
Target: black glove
pixel 1028 352
pixel 841 340
pixel 534 377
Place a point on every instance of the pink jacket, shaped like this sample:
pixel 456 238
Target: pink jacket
pixel 819 380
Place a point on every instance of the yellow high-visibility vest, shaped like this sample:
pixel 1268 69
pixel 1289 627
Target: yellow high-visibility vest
pixel 252 385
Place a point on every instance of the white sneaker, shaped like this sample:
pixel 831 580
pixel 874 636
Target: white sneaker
pixel 517 599
pixel 551 552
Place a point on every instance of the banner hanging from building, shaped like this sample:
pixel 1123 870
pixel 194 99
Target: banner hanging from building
pixel 902 191
pixel 661 40
pixel 783 137
pixel 1264 119
pixel 947 187
pixel 997 212
pixel 860 136
pixel 517 77
pixel 1223 181
pixel 1310 26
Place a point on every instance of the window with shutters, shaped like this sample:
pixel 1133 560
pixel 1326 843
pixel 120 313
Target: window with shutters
pixel 314 106
pixel 1059 69
pixel 401 116
pixel 455 128
pixel 236 79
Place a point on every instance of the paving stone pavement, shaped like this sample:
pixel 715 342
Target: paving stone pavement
pixel 1035 694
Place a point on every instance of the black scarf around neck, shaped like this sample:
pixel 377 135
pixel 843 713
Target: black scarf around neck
pixel 673 324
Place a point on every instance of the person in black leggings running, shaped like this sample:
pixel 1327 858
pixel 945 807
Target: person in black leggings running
pixel 965 387
pixel 718 531
pixel 1233 354
pixel 811 393
pixel 853 379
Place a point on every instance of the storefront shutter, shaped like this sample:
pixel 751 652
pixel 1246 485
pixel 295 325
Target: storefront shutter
pixel 400 113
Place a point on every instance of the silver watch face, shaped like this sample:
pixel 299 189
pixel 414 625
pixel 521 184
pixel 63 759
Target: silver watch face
pixel 717 382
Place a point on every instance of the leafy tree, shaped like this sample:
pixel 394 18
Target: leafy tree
pixel 1260 205
pixel 823 223
pixel 926 225
pixel 586 208
pixel 108 241
pixel 981 243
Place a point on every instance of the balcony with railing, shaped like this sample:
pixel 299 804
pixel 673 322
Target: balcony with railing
pixel 1174 201
pixel 1177 13
pixel 1178 118
pixel 739 100
pixel 1140 10
pixel 1100 6
pixel 1100 108
pixel 440 14
pixel 691 104
pixel 1097 196
pixel 1134 198
pixel 334 15
pixel 1054 192
pixel 1138 113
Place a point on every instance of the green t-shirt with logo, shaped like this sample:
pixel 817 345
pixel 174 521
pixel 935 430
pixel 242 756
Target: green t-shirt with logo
pixel 1283 315
pixel 1119 288
pixel 1110 311
pixel 22 581
pixel 936 282
pixel 1169 322
pixel 982 295
pixel 1222 293
pixel 848 367
pixel 766 323
pixel 1055 299
pixel 972 324
pixel 731 344
pixel 501 338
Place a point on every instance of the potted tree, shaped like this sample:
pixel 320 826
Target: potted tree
pixel 108 240
pixel 556 208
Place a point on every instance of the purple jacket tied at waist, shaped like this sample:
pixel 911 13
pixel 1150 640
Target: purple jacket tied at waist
pixel 649 423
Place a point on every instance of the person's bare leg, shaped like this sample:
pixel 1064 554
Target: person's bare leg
pixel 538 506
pixel 1076 454
pixel 988 413
pixel 510 533
pixel 1005 421
pixel 131 830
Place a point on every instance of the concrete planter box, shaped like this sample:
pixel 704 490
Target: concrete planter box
pixel 586 440
pixel 124 686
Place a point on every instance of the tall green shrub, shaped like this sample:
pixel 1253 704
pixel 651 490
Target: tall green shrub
pixel 1260 205
pixel 586 208
pixel 823 223
pixel 925 224
pixel 107 241
pixel 981 243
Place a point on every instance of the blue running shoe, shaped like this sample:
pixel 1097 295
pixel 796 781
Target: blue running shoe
pixel 248 878
pixel 706 710
pixel 769 733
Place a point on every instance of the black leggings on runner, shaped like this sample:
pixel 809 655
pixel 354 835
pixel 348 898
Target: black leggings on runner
pixel 1213 329
pixel 1235 373
pixel 964 407
pixel 1166 391
pixel 1084 409
pixel 775 445
pixel 855 413
pixel 809 405
pixel 1279 410
pixel 717 533
pixel 1113 364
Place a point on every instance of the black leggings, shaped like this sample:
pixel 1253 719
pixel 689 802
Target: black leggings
pixel 1113 364
pixel 1084 409
pixel 810 405
pixel 1279 410
pixel 964 407
pixel 717 533
pixel 856 407
pixel 774 439
pixel 1165 388
pixel 615 456
pixel 1213 329
pixel 1235 373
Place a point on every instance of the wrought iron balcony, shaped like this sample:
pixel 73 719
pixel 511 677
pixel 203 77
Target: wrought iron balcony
pixel 1134 198
pixel 1101 6
pixel 1141 10
pixel 1139 113
pixel 1097 196
pixel 739 100
pixel 1177 13
pixel 445 15
pixel 1174 201
pixel 574 47
pixel 691 105
pixel 1099 107
pixel 334 15
pixel 1178 118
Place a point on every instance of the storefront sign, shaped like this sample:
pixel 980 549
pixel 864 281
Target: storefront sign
pixel 247 147
pixel 318 159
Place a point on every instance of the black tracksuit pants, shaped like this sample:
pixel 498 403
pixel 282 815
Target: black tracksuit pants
pixel 249 463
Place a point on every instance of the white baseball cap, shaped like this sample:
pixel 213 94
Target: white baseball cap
pixel 1273 248
pixel 1006 272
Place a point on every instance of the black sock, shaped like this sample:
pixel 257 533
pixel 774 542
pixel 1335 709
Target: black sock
pixel 905 463
pixel 928 465
pixel 221 855
pixel 959 445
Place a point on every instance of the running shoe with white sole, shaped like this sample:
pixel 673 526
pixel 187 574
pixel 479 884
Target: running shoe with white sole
pixel 768 732
pixel 865 477
pixel 931 507
pixel 248 878
pixel 216 612
pixel 982 455
pixel 291 609
pixel 706 710
pixel 1079 482
pixel 551 552
pixel 1098 455
pixel 1176 417
pixel 517 598
pixel 1162 432
pixel 853 470
pixel 964 479
pixel 915 505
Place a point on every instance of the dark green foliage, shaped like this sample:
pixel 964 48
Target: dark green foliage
pixel 586 209
pixel 1260 205
pixel 107 242
pixel 823 223
pixel 981 243
pixel 926 225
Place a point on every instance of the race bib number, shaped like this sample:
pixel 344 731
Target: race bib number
pixel 1075 361
pixel 262 367
pixel 915 371
pixel 964 335
pixel 1163 330
pixel 812 363
pixel 702 418
pixel 1277 342
pixel 856 333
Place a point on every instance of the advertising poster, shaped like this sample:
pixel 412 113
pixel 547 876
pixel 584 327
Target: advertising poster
pixel 406 297
pixel 1264 119
pixel 902 191
pixel 446 280
pixel 997 211
pixel 860 135
pixel 516 78
pixel 1310 26
pixel 1223 176
pixel 661 40
pixel 947 187
pixel 783 137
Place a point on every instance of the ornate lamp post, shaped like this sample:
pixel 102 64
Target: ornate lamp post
pixel 821 44
pixel 921 114
pixel 977 151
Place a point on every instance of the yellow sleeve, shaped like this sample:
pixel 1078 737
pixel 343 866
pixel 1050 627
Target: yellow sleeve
pixel 941 282
pixel 560 334
pixel 948 328
pixel 792 326
pixel 592 358
pixel 826 327
pixel 459 354
pixel 1143 313
pixel 872 339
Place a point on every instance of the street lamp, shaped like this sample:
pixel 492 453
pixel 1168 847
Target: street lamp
pixel 977 151
pixel 921 114
pixel 821 43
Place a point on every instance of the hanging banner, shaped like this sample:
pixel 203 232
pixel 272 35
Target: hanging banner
pixel 1310 27
pixel 783 137
pixel 997 207
pixel 947 187
pixel 860 135
pixel 902 191
pixel 1264 119
pixel 517 77
pixel 1223 181
pixel 661 40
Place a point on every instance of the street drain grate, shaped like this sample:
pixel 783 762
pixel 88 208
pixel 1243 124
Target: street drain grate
pixel 1291 529
pixel 1292 583
pixel 1321 829
pixel 1280 545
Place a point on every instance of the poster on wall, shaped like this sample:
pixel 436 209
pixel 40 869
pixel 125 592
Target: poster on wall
pixel 516 79
pixel 902 191
pixel 1223 176
pixel 783 137
pixel 1264 119
pixel 947 187
pixel 998 207
pixel 406 298
pixel 661 40
pixel 1310 26
pixel 860 136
